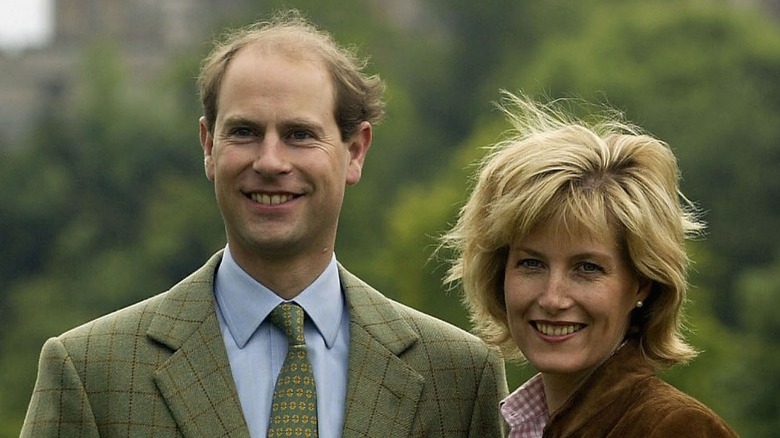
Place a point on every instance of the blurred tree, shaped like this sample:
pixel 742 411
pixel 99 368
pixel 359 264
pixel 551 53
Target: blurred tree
pixel 711 375
pixel 106 209
pixel 705 79
pixel 756 380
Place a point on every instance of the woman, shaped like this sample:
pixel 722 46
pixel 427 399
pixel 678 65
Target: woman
pixel 571 254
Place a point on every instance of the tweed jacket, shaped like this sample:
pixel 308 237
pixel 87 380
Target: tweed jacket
pixel 160 368
pixel 624 398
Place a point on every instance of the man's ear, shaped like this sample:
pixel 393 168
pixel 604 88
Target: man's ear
pixel 207 143
pixel 358 149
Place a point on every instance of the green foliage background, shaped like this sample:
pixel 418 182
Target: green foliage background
pixel 106 204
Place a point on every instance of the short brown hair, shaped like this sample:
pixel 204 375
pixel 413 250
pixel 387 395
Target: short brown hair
pixel 358 96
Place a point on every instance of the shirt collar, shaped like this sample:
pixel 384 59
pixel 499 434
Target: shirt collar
pixel 526 407
pixel 245 303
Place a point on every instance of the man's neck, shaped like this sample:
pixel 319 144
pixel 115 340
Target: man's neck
pixel 286 277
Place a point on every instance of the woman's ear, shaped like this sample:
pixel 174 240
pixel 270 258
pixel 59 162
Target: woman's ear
pixel 644 289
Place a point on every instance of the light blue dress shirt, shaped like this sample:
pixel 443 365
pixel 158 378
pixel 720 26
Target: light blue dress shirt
pixel 256 349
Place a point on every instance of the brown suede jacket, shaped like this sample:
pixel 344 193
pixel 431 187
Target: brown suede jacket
pixel 624 398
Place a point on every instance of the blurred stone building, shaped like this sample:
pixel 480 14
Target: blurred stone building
pixel 146 33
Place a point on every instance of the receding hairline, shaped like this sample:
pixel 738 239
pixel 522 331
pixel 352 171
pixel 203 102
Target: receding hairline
pixel 357 96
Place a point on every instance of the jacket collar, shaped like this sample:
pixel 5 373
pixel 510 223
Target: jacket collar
pixel 196 381
pixel 601 396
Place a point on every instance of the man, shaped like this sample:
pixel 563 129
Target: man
pixel 287 124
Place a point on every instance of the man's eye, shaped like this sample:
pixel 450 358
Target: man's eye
pixel 242 132
pixel 299 135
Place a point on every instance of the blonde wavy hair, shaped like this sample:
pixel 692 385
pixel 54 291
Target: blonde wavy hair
pixel 605 175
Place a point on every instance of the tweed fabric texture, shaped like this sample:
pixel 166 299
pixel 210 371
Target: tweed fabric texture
pixel 294 407
pixel 159 368
pixel 412 375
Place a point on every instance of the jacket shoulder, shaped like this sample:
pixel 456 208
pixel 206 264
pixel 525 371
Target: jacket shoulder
pixel 430 328
pixel 130 320
pixel 680 414
pixel 191 298
pixel 666 411
pixel 435 337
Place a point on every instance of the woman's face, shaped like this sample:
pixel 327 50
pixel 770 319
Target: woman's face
pixel 569 298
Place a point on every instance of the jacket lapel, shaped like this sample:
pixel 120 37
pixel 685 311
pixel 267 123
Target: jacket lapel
pixel 382 391
pixel 196 381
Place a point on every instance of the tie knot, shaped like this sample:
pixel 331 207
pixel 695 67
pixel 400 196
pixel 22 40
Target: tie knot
pixel 289 318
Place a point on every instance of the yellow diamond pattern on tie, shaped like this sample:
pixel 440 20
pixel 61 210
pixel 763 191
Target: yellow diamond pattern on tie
pixel 294 409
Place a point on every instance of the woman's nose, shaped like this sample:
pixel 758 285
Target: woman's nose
pixel 554 297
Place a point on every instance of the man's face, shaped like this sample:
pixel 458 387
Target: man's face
pixel 276 157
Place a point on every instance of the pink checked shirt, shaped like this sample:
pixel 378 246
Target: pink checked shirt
pixel 525 410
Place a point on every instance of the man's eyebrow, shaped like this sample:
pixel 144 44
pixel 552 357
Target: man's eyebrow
pixel 301 123
pixel 242 121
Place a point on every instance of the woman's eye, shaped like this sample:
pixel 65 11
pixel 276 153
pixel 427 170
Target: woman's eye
pixel 590 267
pixel 529 263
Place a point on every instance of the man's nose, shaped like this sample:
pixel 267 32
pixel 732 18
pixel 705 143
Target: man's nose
pixel 272 156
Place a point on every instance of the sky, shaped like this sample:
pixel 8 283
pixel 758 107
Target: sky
pixel 25 23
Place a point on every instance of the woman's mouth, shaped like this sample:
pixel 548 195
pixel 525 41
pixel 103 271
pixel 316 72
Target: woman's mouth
pixel 548 329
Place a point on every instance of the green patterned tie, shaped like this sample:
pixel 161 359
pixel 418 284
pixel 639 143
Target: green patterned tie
pixel 294 410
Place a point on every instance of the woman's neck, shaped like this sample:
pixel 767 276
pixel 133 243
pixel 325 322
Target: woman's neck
pixel 558 388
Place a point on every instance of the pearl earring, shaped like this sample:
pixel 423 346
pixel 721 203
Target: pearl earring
pixel 639 304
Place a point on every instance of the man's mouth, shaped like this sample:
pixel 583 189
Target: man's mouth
pixel 271 199
pixel 557 329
